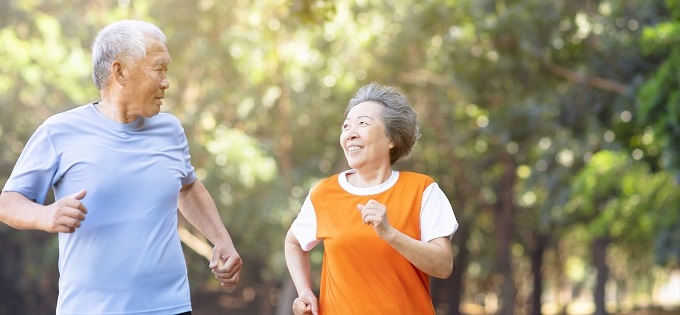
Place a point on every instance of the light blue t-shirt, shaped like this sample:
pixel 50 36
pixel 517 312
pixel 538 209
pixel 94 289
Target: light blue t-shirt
pixel 126 257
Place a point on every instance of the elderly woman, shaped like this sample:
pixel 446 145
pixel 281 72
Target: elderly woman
pixel 384 231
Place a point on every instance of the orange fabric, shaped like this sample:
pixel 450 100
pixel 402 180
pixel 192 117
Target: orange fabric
pixel 361 273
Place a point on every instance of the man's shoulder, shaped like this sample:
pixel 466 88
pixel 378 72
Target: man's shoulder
pixel 166 118
pixel 67 117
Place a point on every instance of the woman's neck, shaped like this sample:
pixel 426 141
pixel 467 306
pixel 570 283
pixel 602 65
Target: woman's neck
pixel 363 179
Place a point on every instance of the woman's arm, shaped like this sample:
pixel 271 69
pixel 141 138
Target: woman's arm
pixel 434 257
pixel 297 261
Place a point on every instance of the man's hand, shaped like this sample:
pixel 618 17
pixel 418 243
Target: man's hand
pixel 226 264
pixel 64 215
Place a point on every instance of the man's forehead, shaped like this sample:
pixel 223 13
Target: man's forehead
pixel 154 45
pixel 161 58
pixel 157 53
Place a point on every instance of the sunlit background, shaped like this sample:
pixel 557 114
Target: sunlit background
pixel 552 126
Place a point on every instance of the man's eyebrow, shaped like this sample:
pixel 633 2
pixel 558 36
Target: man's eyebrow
pixel 162 61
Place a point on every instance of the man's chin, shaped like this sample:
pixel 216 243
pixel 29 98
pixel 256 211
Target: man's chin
pixel 149 115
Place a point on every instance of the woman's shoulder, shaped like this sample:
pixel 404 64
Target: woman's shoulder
pixel 330 182
pixel 333 179
pixel 413 176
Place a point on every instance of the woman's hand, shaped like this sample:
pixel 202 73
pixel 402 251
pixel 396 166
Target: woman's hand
pixel 434 257
pixel 375 214
pixel 306 304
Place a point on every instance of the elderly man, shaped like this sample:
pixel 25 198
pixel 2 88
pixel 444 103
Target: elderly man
pixel 119 169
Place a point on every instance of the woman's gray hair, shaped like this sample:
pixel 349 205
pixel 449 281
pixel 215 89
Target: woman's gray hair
pixel 122 40
pixel 401 121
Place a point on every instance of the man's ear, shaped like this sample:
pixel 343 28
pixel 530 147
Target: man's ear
pixel 118 72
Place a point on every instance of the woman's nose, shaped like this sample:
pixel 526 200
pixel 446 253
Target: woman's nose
pixel 351 134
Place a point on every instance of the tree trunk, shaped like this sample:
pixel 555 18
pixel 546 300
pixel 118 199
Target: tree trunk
pixel 26 285
pixel 288 294
pixel 504 219
pixel 599 250
pixel 447 293
pixel 536 267
pixel 284 157
pixel 459 265
pixel 264 303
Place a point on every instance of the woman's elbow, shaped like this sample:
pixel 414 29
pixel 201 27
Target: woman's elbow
pixel 444 259
pixel 444 271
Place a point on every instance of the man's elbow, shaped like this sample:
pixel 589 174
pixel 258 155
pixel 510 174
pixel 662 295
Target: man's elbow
pixel 188 186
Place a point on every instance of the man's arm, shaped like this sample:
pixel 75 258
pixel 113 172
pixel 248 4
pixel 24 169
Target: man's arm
pixel 200 210
pixel 65 215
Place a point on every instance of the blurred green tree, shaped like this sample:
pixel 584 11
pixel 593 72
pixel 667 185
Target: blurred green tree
pixel 515 98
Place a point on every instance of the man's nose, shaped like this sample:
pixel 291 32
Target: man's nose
pixel 165 83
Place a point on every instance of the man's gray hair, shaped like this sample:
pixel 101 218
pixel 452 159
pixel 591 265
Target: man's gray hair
pixel 401 121
pixel 122 40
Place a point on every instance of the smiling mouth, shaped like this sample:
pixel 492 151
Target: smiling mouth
pixel 353 148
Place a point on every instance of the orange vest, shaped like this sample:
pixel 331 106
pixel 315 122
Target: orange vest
pixel 361 273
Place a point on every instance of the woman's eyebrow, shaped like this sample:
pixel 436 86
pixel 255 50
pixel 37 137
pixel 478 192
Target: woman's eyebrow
pixel 359 117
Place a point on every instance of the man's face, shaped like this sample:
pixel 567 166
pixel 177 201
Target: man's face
pixel 148 80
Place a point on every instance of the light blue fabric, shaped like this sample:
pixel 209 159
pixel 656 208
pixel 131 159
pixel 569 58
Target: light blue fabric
pixel 126 257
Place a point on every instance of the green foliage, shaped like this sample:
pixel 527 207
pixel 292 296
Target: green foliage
pixel 240 158
pixel 622 199
pixel 661 107
pixel 659 98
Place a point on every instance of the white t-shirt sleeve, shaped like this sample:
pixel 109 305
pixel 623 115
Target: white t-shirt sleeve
pixel 436 215
pixel 36 170
pixel 304 226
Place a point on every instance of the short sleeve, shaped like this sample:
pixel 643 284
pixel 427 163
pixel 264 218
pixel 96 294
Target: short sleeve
pixel 35 171
pixel 304 226
pixel 188 168
pixel 436 215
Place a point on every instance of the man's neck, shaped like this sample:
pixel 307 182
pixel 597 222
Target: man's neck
pixel 114 112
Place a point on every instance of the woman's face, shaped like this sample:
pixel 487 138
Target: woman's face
pixel 363 138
